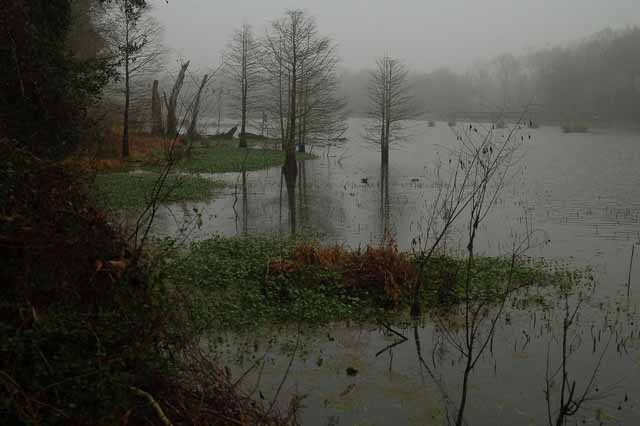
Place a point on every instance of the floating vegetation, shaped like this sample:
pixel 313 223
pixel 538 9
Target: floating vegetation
pixel 575 127
pixel 252 281
pixel 122 190
pixel 224 158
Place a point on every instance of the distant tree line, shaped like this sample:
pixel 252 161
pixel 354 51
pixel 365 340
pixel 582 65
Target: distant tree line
pixel 596 79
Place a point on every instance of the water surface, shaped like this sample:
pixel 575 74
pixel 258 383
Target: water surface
pixel 580 193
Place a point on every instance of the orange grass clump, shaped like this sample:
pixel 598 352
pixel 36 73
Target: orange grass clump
pixel 380 268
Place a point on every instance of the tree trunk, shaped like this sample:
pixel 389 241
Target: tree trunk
pixel 283 133
pixel 172 121
pixel 192 133
pixel 125 126
pixel 384 198
pixel 388 108
pixel 243 125
pixel 290 161
pixel 463 397
pixel 156 111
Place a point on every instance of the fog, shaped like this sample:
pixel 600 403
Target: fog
pixel 424 33
pixel 327 213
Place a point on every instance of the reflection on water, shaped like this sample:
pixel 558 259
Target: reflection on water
pixel 385 218
pixel 571 363
pixel 242 217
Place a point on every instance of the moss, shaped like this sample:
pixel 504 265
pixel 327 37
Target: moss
pixel 121 190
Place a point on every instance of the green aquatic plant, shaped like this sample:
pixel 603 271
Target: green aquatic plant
pixel 244 282
pixel 222 158
pixel 122 190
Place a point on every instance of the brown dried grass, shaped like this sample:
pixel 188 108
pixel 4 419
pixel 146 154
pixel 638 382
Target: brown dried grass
pixel 380 268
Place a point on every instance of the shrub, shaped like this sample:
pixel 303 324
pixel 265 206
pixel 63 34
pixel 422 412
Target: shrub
pixel 87 336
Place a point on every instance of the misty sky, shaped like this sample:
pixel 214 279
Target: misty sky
pixel 425 33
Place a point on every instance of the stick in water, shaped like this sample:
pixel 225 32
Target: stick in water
pixel 633 250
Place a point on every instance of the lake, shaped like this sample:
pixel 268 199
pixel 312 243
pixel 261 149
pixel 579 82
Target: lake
pixel 579 196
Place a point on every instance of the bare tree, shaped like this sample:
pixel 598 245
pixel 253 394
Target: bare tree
pixel 478 169
pixel 244 68
pixel 481 165
pixel 293 49
pixel 322 111
pixel 134 43
pixel 390 103
pixel 571 400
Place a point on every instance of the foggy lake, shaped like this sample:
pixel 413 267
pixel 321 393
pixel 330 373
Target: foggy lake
pixel 578 195
pixel 579 191
pixel 320 213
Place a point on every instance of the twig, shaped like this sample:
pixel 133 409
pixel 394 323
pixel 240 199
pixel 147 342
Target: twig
pixel 163 418
pixel 633 250
pixel 286 374
pixel 250 369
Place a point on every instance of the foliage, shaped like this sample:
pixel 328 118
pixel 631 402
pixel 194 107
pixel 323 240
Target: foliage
pixel 92 337
pixel 49 88
pixel 230 286
pixel 121 190
pixel 86 335
pixel 73 340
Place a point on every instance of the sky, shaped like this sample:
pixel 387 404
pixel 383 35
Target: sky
pixel 425 34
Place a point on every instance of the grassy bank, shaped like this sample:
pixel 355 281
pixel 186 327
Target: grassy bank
pixel 224 158
pixel 117 187
pixel 123 190
pixel 250 282
pixel 207 155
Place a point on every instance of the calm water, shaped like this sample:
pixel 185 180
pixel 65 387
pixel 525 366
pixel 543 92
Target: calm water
pixel 580 193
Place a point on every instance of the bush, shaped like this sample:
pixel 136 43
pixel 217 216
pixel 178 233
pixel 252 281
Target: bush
pixel 73 337
pixel 46 92
pixel 87 334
